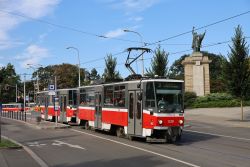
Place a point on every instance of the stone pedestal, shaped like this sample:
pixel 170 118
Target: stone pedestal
pixel 196 74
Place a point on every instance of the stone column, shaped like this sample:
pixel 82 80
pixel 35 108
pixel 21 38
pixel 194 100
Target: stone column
pixel 196 74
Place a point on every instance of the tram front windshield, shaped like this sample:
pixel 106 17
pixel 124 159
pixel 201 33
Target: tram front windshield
pixel 169 97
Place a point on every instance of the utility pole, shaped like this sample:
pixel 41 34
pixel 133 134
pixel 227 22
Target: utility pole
pixel 24 95
pixel 1 107
pixel 79 67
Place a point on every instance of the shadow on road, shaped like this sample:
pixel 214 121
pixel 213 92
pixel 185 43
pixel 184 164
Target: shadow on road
pixel 189 138
pixel 145 161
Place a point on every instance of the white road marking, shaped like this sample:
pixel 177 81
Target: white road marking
pixel 59 143
pixel 138 148
pixel 219 135
pixel 35 144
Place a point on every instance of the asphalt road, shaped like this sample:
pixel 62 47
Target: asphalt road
pixel 202 144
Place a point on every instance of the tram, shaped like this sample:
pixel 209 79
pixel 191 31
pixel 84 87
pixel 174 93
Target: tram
pixel 12 107
pixel 67 110
pixel 134 108
pixel 146 108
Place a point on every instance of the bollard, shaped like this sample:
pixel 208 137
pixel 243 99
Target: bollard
pixel 25 116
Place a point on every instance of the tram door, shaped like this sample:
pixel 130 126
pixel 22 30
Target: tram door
pixel 98 110
pixel 63 108
pixel 134 114
pixel 46 99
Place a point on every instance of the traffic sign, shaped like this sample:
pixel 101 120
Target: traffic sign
pixel 51 87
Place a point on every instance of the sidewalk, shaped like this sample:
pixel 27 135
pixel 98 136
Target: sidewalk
pixel 16 157
pixel 230 117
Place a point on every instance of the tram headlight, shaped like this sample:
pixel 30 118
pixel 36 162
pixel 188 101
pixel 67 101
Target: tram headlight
pixel 160 122
pixel 180 122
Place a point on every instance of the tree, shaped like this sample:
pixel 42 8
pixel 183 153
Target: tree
pixel 94 75
pixel 66 75
pixel 176 71
pixel 236 72
pixel 110 74
pixel 159 63
pixel 8 81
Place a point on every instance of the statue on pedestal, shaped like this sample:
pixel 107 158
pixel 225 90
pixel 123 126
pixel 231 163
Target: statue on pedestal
pixel 197 39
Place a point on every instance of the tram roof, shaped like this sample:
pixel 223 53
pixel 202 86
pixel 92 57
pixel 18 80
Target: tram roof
pixel 136 81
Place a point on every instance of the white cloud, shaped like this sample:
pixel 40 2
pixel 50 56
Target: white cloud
pixel 115 33
pixel 133 6
pixel 137 18
pixel 31 8
pixel 33 54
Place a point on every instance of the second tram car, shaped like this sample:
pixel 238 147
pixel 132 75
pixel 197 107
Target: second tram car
pixel 67 105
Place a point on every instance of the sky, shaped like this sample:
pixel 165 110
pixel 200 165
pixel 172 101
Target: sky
pixel 39 31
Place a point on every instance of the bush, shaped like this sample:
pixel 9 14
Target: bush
pixel 189 99
pixel 212 100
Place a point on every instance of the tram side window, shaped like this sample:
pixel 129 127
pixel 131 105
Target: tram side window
pixel 83 100
pixel 108 96
pixel 87 98
pixel 74 97
pixel 150 98
pixel 119 96
pixel 131 106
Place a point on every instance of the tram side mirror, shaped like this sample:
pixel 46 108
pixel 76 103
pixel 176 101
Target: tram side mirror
pixel 139 96
pixel 139 85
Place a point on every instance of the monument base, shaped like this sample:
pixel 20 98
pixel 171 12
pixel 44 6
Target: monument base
pixel 196 74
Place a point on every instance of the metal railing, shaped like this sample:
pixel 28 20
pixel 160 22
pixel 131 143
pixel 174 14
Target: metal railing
pixel 18 115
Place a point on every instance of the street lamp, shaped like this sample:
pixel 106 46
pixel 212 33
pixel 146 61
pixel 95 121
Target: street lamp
pixel 37 77
pixel 79 68
pixel 143 44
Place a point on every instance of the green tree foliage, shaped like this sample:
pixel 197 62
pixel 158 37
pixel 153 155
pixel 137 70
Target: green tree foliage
pixel 236 68
pixel 236 72
pixel 176 71
pixel 8 80
pixel 94 75
pixel 66 76
pixel 159 63
pixel 110 74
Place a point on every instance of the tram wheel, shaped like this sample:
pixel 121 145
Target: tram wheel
pixel 120 132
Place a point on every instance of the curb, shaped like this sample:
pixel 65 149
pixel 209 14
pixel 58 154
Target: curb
pixel 29 151
pixel 39 127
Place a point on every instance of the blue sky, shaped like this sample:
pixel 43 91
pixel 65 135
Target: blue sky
pixel 34 41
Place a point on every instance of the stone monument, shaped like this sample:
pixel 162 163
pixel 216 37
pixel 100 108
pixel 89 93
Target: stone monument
pixel 196 68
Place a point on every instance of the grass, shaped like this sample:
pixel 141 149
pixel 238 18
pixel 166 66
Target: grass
pixel 7 144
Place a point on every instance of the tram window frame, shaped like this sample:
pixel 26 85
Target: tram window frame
pixel 87 97
pixel 119 95
pixel 131 105
pixel 139 108
pixel 150 95
pixel 108 96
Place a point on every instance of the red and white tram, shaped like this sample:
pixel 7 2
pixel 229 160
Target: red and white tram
pixel 152 108
pixel 16 107
pixel 67 105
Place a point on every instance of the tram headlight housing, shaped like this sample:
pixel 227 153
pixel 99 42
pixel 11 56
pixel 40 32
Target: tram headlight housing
pixel 160 122
pixel 180 122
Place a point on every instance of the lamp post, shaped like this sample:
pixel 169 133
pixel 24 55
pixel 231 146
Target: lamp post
pixel 141 39
pixel 37 77
pixel 79 69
